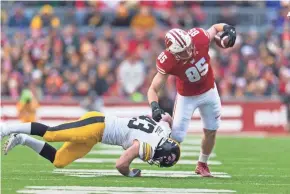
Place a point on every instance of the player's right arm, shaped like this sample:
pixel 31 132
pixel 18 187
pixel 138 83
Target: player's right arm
pixel 158 82
pixel 164 65
pixel 123 163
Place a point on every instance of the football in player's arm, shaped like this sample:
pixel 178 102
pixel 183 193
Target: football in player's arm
pixel 226 40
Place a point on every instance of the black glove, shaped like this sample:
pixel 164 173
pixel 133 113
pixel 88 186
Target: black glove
pixel 156 111
pixel 229 31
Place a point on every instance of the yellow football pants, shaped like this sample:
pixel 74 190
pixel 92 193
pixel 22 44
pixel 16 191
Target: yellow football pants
pixel 79 136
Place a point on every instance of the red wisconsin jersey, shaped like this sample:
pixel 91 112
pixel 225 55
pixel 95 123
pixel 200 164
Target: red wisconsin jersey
pixel 194 76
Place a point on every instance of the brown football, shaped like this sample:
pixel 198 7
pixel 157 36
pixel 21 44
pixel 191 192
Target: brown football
pixel 221 43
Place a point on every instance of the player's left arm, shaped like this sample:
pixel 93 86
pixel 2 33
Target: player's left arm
pixel 227 30
pixel 123 163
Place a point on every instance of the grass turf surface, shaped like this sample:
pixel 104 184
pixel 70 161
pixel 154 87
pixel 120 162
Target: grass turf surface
pixel 256 165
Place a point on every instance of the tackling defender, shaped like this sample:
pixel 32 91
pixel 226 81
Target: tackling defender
pixel 140 137
pixel 186 57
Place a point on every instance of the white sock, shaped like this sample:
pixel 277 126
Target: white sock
pixel 19 128
pixel 33 143
pixel 203 158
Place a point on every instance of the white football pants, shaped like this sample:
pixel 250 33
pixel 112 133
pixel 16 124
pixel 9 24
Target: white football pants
pixel 209 105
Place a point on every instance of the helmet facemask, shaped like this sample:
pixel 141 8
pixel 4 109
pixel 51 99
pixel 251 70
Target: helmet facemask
pixel 165 161
pixel 166 154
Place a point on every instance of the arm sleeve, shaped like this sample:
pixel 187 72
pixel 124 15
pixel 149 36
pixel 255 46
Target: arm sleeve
pixel 146 152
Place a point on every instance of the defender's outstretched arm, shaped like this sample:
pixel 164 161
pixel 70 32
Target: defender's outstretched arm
pixel 123 163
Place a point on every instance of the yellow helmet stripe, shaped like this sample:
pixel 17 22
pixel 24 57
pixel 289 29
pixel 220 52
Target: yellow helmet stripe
pixel 148 152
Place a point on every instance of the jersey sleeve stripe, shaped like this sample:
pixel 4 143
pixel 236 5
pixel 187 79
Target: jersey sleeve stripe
pixel 147 157
pixel 144 151
pixel 160 70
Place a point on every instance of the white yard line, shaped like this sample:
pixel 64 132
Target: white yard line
pixel 191 142
pixel 137 161
pixel 189 148
pixel 119 152
pixel 145 173
pixel 114 190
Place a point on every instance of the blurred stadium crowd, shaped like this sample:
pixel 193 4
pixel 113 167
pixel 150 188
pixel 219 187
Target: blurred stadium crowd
pixel 108 48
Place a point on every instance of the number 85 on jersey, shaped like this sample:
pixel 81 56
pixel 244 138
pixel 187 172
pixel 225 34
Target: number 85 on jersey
pixel 194 73
pixel 200 69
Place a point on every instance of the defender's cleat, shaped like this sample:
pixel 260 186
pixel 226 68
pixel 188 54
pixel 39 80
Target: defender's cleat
pixel 14 140
pixel 202 169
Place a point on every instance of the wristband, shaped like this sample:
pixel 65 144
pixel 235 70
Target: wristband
pixel 154 105
pixel 225 27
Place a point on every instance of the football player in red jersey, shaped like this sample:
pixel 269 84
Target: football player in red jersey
pixel 186 57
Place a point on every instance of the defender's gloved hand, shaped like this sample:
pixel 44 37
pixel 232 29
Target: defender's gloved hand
pixel 156 111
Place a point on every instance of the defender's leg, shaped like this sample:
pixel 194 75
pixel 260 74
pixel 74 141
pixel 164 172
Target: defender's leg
pixel 40 147
pixel 60 158
pixel 82 134
pixel 33 128
pixel 80 137
pixel 91 125
pixel 71 151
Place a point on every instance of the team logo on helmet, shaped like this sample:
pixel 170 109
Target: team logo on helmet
pixel 178 42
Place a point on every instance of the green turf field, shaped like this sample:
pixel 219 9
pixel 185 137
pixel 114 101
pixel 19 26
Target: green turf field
pixel 243 165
